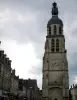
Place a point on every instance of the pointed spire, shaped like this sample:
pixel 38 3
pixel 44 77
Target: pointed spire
pixel 54 9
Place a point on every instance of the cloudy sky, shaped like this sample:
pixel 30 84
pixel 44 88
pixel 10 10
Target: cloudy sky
pixel 23 29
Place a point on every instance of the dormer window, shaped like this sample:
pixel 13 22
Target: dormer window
pixel 3 57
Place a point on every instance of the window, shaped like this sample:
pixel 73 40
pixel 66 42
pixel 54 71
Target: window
pixel 52 45
pixel 55 30
pixel 57 45
pixel 60 30
pixel 49 30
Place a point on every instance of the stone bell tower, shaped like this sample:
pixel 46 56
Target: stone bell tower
pixel 55 82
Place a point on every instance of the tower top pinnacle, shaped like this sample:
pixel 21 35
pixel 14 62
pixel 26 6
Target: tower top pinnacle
pixel 55 19
pixel 54 9
pixel 54 4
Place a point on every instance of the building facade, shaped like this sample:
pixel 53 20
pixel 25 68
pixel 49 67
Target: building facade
pixel 55 65
pixel 14 86
pixel 22 90
pixel 11 86
pixel 5 76
pixel 32 89
pixel 73 91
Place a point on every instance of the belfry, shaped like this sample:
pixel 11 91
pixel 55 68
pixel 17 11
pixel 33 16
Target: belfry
pixel 55 80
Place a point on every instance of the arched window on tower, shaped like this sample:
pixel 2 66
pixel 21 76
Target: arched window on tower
pixel 57 45
pixel 52 45
pixel 49 30
pixel 55 29
pixel 60 30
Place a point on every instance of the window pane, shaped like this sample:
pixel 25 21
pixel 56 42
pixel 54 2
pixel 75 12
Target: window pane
pixel 57 45
pixel 55 29
pixel 52 45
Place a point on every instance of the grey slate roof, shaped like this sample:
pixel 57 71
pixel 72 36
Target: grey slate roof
pixel 55 20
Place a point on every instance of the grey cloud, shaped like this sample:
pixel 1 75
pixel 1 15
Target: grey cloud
pixel 37 70
pixel 43 12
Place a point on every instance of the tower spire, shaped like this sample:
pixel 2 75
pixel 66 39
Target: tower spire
pixel 55 65
pixel 54 9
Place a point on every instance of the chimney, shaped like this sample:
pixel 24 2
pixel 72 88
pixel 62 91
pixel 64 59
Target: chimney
pixel 2 51
pixel 7 59
pixel 13 71
pixel 9 62
pixel 5 55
